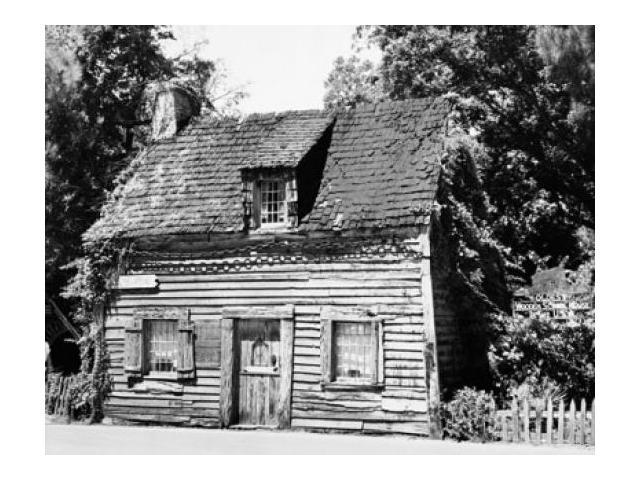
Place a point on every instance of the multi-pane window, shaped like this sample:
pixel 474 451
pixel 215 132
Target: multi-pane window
pixel 272 202
pixel 161 346
pixel 353 348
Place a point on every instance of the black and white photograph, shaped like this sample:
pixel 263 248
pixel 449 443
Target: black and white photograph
pixel 364 239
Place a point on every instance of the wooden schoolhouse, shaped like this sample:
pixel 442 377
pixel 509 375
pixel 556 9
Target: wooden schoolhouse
pixel 283 271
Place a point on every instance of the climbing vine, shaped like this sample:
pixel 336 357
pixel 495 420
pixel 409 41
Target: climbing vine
pixel 93 278
pixel 476 262
pixel 82 396
pixel 465 256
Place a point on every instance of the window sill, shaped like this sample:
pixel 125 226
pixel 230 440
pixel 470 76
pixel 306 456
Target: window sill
pixel 353 387
pixel 272 230
pixel 207 366
pixel 158 385
pixel 161 378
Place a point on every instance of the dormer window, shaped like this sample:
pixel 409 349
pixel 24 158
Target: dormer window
pixel 270 199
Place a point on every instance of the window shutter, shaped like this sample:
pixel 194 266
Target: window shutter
pixel 133 348
pixel 325 349
pixel 254 220
pixel 380 351
pixel 375 353
pixel 208 343
pixel 186 366
pixel 292 201
pixel 247 203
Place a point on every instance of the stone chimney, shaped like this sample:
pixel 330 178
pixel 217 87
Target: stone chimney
pixel 173 106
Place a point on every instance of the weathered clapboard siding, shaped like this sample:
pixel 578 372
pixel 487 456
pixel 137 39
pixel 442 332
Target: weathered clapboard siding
pixel 394 286
pixel 450 354
pixel 403 338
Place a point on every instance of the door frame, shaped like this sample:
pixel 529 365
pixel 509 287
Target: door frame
pixel 229 364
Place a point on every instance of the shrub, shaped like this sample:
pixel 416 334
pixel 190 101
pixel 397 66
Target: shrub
pixel 470 415
pixel 543 354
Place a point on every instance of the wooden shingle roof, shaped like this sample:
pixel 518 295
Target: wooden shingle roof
pixel 381 170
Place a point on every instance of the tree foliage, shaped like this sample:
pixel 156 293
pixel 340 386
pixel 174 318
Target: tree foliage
pixel 351 81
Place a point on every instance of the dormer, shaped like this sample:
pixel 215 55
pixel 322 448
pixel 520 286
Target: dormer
pixel 281 178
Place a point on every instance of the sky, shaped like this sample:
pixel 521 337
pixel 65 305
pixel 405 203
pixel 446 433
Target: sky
pixel 282 67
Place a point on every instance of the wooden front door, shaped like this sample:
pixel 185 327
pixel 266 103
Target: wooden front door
pixel 259 369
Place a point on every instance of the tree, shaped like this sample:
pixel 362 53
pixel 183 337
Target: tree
pixel 91 102
pixel 96 79
pixel 538 171
pixel 352 81
pixel 569 53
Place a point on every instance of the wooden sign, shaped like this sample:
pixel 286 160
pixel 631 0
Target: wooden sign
pixel 553 306
pixel 137 282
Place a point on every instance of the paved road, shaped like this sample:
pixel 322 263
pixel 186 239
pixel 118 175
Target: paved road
pixel 111 439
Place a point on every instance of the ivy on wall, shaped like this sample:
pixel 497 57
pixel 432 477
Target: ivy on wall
pixel 81 396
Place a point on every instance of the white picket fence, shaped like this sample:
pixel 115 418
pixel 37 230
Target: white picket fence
pixel 547 423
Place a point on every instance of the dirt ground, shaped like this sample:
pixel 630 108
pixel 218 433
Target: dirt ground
pixel 111 439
